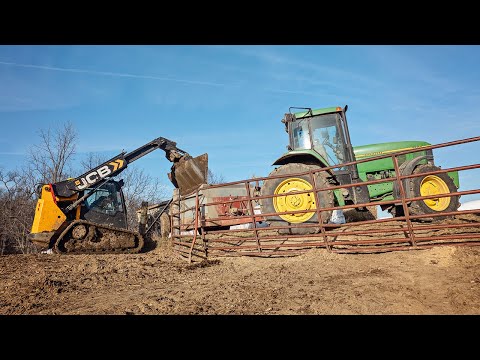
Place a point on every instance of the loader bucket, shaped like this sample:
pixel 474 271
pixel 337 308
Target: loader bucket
pixel 189 174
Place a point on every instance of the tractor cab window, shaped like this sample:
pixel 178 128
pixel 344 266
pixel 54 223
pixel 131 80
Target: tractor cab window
pixel 106 200
pixel 301 135
pixel 327 140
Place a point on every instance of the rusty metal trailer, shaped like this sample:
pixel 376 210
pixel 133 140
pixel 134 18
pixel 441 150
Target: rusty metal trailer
pixel 220 206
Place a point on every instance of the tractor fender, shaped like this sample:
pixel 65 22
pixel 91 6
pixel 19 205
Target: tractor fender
pixel 302 157
pixel 407 169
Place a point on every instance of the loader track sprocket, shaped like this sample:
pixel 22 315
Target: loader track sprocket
pixel 83 237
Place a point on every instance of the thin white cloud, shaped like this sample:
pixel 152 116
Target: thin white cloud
pixel 273 57
pixel 264 54
pixel 114 74
pixel 150 77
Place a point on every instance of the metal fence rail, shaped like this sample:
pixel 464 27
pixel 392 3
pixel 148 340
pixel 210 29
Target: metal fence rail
pixel 197 239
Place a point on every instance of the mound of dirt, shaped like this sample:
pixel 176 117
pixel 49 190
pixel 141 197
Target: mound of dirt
pixel 441 280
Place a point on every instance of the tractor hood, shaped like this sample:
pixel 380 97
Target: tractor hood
pixel 371 150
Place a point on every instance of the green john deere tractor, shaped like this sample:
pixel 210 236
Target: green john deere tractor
pixel 320 138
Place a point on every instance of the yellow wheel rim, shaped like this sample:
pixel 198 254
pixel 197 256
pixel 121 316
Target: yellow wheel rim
pixel 433 185
pixel 294 202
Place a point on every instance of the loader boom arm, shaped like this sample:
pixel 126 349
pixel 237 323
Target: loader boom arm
pixel 170 147
pixel 116 165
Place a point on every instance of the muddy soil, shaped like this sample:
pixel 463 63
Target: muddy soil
pixel 440 280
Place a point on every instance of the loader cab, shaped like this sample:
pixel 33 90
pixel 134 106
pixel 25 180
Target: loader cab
pixel 322 131
pixel 107 205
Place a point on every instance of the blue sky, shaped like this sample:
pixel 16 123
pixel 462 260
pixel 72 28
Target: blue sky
pixel 228 101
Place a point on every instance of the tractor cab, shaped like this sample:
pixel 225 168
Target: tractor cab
pixel 321 137
pixel 321 134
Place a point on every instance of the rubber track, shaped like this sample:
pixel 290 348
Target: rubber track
pixel 63 238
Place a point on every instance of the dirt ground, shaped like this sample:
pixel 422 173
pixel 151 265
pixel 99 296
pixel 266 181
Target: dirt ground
pixel 440 280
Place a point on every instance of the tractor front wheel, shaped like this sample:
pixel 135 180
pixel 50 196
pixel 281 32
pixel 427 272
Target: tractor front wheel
pixel 430 185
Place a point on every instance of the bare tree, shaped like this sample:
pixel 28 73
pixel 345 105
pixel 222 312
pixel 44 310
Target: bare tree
pixel 49 159
pixel 213 178
pixel 17 207
pixel 140 186
pixel 48 162
pixel 92 161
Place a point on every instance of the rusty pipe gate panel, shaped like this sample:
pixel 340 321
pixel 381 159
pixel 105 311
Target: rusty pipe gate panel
pixel 225 220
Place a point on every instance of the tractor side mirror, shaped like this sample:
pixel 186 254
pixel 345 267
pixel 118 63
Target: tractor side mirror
pixel 335 141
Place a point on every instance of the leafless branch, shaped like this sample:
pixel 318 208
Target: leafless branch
pixel 49 158
pixel 214 178
pixel 17 206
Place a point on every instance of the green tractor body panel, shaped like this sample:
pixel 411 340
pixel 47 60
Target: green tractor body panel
pixel 340 201
pixel 384 168
pixel 367 151
pixel 454 176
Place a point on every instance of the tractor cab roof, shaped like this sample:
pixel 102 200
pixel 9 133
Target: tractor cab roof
pixel 314 112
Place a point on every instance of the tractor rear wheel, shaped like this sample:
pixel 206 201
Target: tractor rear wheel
pixel 293 202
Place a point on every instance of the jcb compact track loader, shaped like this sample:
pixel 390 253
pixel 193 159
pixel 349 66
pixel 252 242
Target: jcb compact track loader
pixel 88 214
